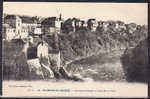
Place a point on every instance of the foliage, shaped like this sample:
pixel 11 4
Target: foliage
pixel 85 42
pixel 14 61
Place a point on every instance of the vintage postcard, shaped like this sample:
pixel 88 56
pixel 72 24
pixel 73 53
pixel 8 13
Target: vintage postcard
pixel 70 49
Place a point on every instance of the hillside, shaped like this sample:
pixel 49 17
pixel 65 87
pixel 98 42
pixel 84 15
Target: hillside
pixel 93 54
pixel 85 43
pixel 129 65
pixel 101 67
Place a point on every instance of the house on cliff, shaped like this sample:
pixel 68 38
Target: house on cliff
pixel 68 26
pixel 92 24
pixel 51 25
pixel 16 27
pixel 73 25
pixel 41 50
pixel 38 60
pixel 12 28
pixel 37 50
pixel 120 26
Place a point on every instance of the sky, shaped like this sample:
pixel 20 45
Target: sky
pixel 127 12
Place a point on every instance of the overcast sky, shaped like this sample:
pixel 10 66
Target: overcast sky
pixel 127 12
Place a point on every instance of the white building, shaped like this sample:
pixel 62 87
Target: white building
pixel 12 28
pixel 37 31
pixel 42 49
pixel 15 26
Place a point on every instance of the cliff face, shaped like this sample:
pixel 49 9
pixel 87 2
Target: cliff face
pixel 85 43
pixel 135 62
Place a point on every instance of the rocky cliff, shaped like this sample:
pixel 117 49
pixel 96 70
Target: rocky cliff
pixel 135 62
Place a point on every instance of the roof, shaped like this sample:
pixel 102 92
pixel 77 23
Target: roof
pixel 49 21
pixel 76 19
pixel 92 19
pixel 10 17
pixel 26 19
pixel 69 21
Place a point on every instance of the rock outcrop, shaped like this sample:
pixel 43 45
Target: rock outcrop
pixel 135 62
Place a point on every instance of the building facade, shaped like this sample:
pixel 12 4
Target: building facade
pixel 12 28
pixel 51 25
pixel 42 50
pixel 16 26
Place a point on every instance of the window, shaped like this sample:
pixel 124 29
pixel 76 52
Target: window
pixel 14 30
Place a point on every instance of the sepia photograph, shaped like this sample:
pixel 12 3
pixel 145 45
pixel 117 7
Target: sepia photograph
pixel 70 49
